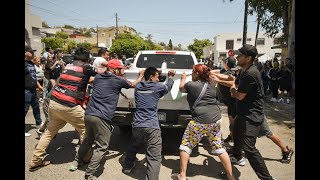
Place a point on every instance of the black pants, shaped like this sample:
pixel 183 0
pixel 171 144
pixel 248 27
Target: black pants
pixel 245 134
pixel 150 139
pixel 274 88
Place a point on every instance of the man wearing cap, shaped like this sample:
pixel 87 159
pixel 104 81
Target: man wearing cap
pixel 66 103
pixel 99 113
pixel 223 91
pixel 31 83
pixel 248 91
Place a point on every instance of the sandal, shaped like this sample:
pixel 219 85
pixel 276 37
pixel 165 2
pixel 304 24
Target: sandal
pixel 176 176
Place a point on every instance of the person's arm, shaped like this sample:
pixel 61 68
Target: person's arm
pixel 227 83
pixel 236 94
pixel 91 79
pixel 215 71
pixel 139 79
pixel 183 82
pixel 247 83
pixel 222 77
pixel 170 81
pixel 104 63
pixel 54 65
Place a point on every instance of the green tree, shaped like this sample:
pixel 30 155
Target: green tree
pixel 45 25
pixel 61 35
pixel 68 26
pixel 198 45
pixel 52 42
pixel 128 44
pixel 71 45
pixel 85 45
pixel 170 46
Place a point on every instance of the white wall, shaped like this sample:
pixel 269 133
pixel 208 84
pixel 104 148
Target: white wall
pixel 220 44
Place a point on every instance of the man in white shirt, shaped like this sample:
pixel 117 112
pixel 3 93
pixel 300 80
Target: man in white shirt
pixel 100 63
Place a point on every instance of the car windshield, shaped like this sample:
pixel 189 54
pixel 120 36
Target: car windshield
pixel 174 61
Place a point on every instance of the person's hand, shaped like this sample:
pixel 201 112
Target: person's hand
pixel 183 75
pixel 214 78
pixel 171 73
pixel 41 88
pixel 141 73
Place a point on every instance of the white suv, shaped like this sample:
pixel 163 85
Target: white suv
pixel 173 108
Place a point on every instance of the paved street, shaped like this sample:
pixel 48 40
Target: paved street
pixel 201 167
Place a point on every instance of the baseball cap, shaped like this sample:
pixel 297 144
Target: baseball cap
pixel 115 63
pixel 248 50
pixel 230 61
pixel 28 49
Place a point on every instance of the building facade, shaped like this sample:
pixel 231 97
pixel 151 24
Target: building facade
pixel 33 24
pixel 232 41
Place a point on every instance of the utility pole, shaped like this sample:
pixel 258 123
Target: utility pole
pixel 97 38
pixel 244 37
pixel 117 30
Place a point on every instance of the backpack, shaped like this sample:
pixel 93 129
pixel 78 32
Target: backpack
pixel 29 82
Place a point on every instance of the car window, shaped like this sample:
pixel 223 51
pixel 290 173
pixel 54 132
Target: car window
pixel 175 61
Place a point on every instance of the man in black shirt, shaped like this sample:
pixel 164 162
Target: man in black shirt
pixel 248 91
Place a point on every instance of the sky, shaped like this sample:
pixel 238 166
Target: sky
pixel 179 20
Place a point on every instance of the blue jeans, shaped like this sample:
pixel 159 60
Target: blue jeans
pixel 46 88
pixel 31 98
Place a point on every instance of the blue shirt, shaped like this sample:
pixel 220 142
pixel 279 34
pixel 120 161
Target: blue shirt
pixel 147 95
pixel 105 93
pixel 32 70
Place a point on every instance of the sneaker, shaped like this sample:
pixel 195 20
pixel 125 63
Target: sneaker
pixel 90 177
pixel 286 156
pixel 280 100
pixel 39 133
pixel 240 162
pixel 127 170
pixel 288 101
pixel 228 139
pixel 27 134
pixel 273 99
pixel 75 165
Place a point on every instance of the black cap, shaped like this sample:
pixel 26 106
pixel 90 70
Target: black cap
pixel 27 48
pixel 248 50
pixel 230 61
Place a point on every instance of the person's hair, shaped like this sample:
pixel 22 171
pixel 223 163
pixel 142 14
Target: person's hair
pixel 47 48
pixel 150 71
pixel 82 54
pixel 114 55
pixel 202 70
pixel 102 51
pixel 268 61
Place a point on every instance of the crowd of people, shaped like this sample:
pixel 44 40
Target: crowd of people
pixel 64 88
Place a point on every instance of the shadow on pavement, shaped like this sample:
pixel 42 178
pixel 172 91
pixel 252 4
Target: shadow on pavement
pixel 209 168
pixel 28 127
pixel 61 149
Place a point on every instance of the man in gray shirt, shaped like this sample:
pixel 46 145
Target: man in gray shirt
pixel 146 128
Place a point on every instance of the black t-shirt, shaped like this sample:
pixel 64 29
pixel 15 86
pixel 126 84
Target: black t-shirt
pixel 55 73
pixel 223 92
pixel 251 106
